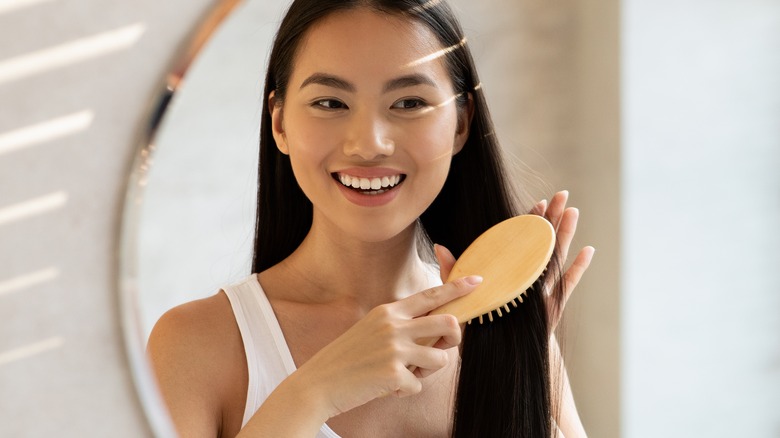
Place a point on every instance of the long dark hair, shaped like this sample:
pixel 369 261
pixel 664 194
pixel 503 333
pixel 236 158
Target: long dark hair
pixel 475 196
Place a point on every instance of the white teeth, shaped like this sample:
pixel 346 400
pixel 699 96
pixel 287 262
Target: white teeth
pixel 369 183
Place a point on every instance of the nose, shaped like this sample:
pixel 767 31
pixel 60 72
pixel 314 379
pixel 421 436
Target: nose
pixel 369 138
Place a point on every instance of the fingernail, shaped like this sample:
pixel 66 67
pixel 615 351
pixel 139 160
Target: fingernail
pixel 473 280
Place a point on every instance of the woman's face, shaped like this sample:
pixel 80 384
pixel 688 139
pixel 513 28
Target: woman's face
pixel 370 122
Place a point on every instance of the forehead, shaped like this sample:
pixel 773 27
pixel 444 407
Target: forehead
pixel 362 43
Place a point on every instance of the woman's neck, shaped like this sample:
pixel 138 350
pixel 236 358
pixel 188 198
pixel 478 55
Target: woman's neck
pixel 335 268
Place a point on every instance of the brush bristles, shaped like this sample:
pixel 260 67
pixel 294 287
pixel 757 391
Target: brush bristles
pixel 515 302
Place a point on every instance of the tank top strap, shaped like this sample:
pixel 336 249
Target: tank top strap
pixel 268 357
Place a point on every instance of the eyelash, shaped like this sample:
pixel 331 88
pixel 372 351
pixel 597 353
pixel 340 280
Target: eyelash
pixel 327 104
pixel 320 104
pixel 419 104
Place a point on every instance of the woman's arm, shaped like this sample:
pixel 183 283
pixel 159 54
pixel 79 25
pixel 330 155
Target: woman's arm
pixel 293 409
pixel 189 362
pixel 370 360
pixel 195 361
pixel 193 351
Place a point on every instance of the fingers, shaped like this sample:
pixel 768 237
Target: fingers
pixel 564 221
pixel 573 275
pixel 408 383
pixel 426 330
pixel 423 302
pixel 426 360
pixel 431 335
pixel 540 208
pixel 422 359
pixel 446 261
pixel 556 208
pixel 571 278
pixel 566 229
pixel 418 332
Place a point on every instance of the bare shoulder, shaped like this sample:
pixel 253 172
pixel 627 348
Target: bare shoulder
pixel 193 327
pixel 197 355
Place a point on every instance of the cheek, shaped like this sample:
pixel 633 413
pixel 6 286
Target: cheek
pixel 433 143
pixel 310 142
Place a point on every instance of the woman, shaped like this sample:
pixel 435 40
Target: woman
pixel 375 138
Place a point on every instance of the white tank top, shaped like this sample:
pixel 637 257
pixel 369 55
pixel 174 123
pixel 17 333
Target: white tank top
pixel 268 357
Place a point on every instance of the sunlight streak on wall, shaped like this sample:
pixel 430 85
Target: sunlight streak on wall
pixel 33 207
pixel 31 279
pixel 70 53
pixel 46 131
pixel 30 350
pixel 13 5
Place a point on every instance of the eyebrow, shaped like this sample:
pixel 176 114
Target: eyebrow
pixel 408 81
pixel 332 81
pixel 328 81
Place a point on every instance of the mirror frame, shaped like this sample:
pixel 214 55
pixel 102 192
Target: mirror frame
pixel 143 376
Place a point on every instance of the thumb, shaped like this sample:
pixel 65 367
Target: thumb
pixel 446 261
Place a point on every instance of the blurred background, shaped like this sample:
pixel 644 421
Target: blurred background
pixel 661 118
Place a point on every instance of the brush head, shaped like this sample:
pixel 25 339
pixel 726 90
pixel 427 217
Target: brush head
pixel 510 257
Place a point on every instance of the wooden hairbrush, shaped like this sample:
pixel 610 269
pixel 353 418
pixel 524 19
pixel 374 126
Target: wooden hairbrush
pixel 510 257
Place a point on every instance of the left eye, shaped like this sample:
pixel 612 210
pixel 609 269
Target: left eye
pixel 330 104
pixel 409 104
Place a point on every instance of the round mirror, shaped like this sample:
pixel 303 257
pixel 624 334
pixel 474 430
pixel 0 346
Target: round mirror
pixel 189 213
pixel 196 222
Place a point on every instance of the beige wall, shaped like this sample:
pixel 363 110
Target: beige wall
pixel 62 362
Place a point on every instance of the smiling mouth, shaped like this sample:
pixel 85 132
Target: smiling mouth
pixel 369 186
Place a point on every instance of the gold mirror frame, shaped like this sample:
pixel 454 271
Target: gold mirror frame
pixel 134 338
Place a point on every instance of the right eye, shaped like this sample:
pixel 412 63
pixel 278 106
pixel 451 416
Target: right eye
pixel 329 104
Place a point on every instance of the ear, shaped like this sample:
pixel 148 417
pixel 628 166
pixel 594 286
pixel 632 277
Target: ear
pixel 465 116
pixel 277 123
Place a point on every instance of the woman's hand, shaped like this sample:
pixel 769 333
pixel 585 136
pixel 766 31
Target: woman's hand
pixel 372 359
pixel 564 220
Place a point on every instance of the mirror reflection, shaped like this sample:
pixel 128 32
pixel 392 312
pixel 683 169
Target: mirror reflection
pixel 197 218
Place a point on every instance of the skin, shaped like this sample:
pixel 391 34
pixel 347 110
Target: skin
pixel 348 299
